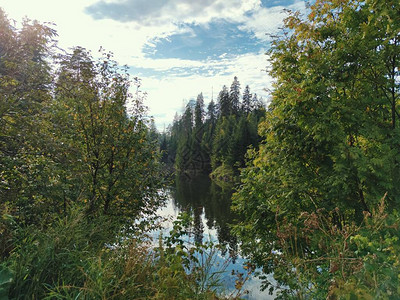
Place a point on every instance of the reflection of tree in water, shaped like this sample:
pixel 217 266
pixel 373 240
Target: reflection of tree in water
pixel 188 196
pixel 219 208
pixel 200 195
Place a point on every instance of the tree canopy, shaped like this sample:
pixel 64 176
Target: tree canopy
pixel 72 132
pixel 331 134
pixel 201 141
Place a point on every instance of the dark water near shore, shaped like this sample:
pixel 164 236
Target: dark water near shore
pixel 209 206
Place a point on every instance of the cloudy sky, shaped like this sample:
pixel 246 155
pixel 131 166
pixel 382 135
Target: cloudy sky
pixel 178 48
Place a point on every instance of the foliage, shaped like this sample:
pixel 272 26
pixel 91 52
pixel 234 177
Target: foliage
pixel 118 166
pixel 197 263
pixel 345 261
pixel 77 259
pixel 5 281
pixel 25 91
pixel 42 258
pixel 72 133
pixel 331 134
pixel 223 173
pixel 200 142
pixel 80 172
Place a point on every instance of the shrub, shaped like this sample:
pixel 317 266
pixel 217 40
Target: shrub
pixel 323 256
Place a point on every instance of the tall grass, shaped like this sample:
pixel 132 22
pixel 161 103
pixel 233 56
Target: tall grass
pixel 78 259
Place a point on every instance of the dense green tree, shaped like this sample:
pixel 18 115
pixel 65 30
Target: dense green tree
pixel 256 103
pixel 210 123
pixel 184 152
pixel 234 96
pixel 246 103
pixel 164 149
pixel 66 135
pixel 212 112
pixel 199 111
pixel 330 134
pixel 223 142
pixel 201 158
pixel 25 92
pixel 219 137
pixel 114 148
pixel 173 134
pixel 224 102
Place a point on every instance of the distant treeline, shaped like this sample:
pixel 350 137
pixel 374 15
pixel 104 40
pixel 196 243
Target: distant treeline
pixel 200 141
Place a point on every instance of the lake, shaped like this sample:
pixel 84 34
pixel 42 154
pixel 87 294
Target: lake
pixel 209 205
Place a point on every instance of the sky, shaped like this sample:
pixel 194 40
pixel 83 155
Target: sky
pixel 178 48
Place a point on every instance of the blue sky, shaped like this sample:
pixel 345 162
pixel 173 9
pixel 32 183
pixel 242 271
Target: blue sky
pixel 179 48
pixel 201 42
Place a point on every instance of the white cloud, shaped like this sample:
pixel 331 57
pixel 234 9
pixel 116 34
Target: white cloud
pixel 153 23
pixel 167 95
pixel 76 28
pixel 268 20
pixel 163 12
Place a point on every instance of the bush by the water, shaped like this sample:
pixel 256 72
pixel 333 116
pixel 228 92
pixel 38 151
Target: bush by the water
pixel 77 259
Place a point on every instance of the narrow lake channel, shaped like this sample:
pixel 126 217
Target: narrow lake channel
pixel 209 206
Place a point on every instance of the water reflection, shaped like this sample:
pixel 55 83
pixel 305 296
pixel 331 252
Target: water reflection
pixel 209 205
pixel 201 195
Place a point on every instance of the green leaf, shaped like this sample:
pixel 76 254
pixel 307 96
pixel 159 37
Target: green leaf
pixel 6 278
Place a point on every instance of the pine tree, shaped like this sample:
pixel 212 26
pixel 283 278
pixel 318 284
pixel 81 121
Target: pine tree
pixel 199 112
pixel 184 154
pixel 234 97
pixel 218 137
pixel 212 112
pixel 164 149
pixel 254 102
pixel 224 102
pixel 200 157
pixel 247 100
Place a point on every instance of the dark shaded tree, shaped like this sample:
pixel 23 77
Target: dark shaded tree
pixel 234 96
pixel 247 101
pixel 224 102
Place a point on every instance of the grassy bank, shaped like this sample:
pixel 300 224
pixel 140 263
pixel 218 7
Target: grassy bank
pixel 77 259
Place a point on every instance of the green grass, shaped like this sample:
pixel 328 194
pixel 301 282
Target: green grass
pixel 80 259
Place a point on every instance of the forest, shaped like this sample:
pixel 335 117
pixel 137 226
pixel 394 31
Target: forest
pixel 316 170
pixel 214 140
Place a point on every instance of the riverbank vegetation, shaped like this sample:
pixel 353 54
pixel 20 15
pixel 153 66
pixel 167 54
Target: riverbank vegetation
pixel 317 203
pixel 81 180
pixel 319 198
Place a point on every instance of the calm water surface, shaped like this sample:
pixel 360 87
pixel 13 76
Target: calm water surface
pixel 209 206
